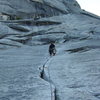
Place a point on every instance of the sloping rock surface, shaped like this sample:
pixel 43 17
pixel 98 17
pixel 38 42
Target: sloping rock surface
pixel 26 8
pixel 26 70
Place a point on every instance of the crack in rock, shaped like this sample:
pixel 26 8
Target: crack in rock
pixel 45 75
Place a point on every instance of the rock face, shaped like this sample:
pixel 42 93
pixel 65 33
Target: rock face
pixel 26 70
pixel 38 8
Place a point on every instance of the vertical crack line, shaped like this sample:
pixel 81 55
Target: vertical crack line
pixel 50 85
pixel 45 74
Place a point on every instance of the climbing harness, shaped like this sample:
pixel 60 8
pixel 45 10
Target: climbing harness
pixel 52 52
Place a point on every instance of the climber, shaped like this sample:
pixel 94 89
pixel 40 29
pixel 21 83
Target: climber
pixel 52 49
